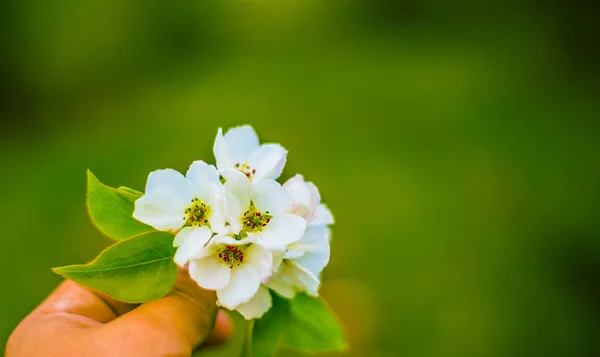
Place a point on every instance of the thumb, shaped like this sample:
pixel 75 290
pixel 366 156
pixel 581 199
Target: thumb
pixel 173 325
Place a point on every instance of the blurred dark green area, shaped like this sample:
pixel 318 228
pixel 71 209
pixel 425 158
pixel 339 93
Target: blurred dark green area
pixel 455 141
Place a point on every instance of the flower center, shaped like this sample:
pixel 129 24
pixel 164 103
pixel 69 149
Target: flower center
pixel 232 255
pixel 197 214
pixel 245 169
pixel 254 221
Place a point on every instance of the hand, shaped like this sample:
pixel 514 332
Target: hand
pixel 76 321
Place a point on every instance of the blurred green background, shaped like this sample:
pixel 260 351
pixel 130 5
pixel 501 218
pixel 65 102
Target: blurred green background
pixel 455 141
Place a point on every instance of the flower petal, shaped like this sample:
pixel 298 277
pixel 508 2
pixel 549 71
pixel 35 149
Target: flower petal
pixel 161 210
pixel 277 260
pixel 268 160
pixel 305 196
pixel 315 238
pixel 294 250
pixel 210 272
pixel 207 186
pixel 170 181
pixel 221 152
pixel 238 185
pixel 323 216
pixel 268 195
pixel 233 213
pixel 257 306
pixel 316 244
pixel 282 283
pixel 305 280
pixel 292 182
pixel 261 260
pixel 191 241
pixel 217 217
pixel 235 147
pixel 241 142
pixel 243 285
pixel 283 230
pixel 204 179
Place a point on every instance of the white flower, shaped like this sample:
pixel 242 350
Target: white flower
pixel 300 267
pixel 172 201
pixel 234 268
pixel 302 264
pixel 257 209
pixel 306 201
pixel 239 149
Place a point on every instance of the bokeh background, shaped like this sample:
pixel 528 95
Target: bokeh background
pixel 457 143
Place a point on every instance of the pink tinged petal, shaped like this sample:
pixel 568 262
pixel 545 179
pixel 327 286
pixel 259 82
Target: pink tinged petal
pixel 305 280
pixel 282 282
pixel 315 199
pixel 210 272
pixel 305 196
pixel 283 230
pixel 323 216
pixel 205 181
pixel 268 161
pixel 257 306
pixel 243 285
pixel 161 210
pixel 241 142
pixel 169 181
pixel 292 182
pixel 221 152
pixel 191 242
pixel 261 260
pixel 268 195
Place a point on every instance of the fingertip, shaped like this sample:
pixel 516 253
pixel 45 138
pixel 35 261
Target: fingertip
pixel 222 331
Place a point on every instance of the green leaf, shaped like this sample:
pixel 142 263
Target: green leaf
pixel 313 326
pixel 130 190
pixel 269 330
pixel 111 210
pixel 134 270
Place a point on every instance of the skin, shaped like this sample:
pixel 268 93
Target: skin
pixel 77 321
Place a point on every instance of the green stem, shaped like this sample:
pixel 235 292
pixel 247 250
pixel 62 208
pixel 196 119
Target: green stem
pixel 247 344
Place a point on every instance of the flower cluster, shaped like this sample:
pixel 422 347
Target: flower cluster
pixel 238 231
